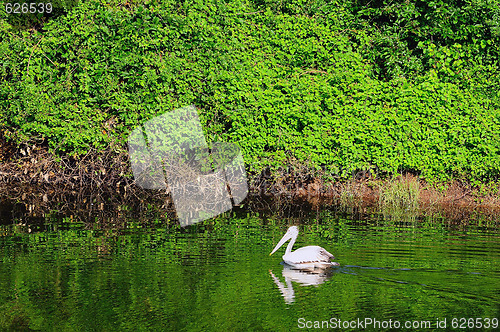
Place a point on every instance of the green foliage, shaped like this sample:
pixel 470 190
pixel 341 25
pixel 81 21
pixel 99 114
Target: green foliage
pixel 297 81
pixel 459 39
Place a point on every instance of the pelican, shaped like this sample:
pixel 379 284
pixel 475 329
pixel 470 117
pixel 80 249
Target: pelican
pixel 306 257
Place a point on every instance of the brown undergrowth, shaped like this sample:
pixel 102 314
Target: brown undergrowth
pixel 36 182
pixel 401 197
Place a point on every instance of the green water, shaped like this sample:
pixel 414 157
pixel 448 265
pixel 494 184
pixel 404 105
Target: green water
pixel 218 275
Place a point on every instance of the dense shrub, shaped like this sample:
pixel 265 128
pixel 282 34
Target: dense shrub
pixel 289 81
pixel 459 39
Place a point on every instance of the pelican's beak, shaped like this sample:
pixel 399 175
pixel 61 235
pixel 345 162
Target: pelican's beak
pixel 285 238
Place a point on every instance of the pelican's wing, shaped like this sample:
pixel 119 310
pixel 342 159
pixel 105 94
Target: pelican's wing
pixel 325 255
pixel 309 254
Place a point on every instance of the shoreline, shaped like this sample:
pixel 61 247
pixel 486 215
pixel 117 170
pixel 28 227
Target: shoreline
pixel 39 181
pixel 360 199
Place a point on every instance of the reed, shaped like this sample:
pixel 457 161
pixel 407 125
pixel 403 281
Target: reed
pixel 348 194
pixel 400 197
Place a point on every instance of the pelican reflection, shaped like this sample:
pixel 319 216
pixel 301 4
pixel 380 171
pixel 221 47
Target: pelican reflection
pixel 304 277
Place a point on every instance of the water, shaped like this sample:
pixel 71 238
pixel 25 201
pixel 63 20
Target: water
pixel 218 276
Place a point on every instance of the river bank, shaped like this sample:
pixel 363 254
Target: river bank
pixel 39 182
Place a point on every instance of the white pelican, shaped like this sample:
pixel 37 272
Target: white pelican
pixel 306 257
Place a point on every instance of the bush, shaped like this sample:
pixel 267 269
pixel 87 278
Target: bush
pixel 459 39
pixel 284 83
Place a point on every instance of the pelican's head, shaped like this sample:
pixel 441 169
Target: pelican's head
pixel 292 232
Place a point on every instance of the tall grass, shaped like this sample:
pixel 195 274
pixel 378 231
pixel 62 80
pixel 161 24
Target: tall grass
pixel 399 197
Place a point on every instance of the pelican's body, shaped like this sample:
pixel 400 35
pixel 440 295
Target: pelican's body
pixel 305 257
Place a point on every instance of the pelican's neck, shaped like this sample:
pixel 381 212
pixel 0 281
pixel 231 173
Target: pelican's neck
pixel 290 244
